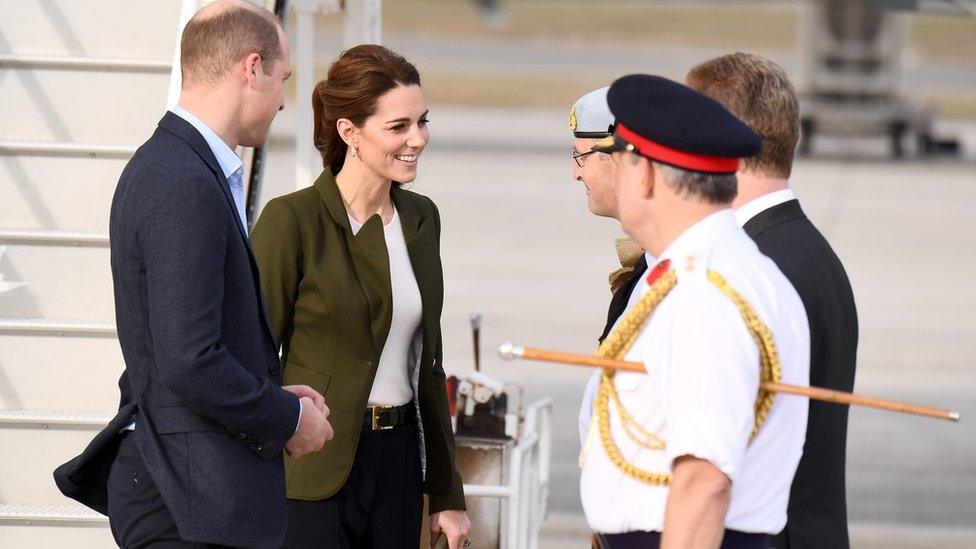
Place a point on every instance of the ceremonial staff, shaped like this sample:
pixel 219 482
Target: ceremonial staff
pixel 510 351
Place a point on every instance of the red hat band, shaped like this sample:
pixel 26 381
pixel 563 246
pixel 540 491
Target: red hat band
pixel 674 157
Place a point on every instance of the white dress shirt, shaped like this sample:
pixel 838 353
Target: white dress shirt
pixel 700 388
pixel 758 205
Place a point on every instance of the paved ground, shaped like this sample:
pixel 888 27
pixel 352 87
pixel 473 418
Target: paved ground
pixel 520 247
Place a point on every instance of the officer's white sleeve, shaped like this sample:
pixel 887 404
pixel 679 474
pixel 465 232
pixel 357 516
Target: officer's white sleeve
pixel 586 406
pixel 712 379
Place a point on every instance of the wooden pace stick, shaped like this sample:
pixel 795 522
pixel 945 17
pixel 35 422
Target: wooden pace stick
pixel 509 351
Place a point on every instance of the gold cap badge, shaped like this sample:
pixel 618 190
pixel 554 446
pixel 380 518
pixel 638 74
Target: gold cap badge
pixel 572 118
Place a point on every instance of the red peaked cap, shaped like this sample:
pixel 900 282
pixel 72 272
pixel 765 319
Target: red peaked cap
pixel 673 124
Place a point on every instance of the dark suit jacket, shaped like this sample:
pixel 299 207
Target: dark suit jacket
pixel 619 300
pixel 330 299
pixel 201 365
pixel 817 515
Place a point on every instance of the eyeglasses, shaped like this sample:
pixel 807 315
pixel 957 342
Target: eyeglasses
pixel 577 156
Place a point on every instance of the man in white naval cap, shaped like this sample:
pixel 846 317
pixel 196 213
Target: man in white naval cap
pixel 691 453
pixel 590 120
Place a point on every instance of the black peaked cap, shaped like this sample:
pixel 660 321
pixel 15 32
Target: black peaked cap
pixel 678 117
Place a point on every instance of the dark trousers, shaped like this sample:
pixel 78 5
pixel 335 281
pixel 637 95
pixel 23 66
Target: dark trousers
pixel 380 505
pixel 136 513
pixel 652 540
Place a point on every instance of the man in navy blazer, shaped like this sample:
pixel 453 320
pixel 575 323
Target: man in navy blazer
pixel 194 458
pixel 756 90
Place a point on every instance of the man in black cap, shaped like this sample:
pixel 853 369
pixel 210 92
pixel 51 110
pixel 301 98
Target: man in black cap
pixel 757 91
pixel 691 453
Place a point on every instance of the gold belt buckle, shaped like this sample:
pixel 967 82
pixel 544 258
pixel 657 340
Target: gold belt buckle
pixel 376 410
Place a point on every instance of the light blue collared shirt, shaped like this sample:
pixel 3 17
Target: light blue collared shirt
pixel 229 162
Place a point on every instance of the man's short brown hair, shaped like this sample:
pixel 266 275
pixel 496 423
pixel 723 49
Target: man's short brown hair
pixel 757 91
pixel 213 42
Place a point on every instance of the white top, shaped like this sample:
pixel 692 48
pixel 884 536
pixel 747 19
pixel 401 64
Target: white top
pixel 758 205
pixel 700 389
pixel 742 215
pixel 391 386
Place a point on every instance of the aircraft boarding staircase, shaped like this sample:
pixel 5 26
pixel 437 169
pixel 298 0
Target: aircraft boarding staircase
pixel 82 84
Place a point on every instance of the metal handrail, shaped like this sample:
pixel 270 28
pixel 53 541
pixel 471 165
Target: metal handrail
pixel 520 526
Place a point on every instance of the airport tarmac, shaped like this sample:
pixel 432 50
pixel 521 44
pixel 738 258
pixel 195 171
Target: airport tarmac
pixel 520 247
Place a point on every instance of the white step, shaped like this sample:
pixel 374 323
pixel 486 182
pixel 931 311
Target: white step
pixel 29 515
pixel 62 281
pixel 13 60
pixel 86 536
pixel 81 106
pixel 54 419
pixel 29 457
pixel 66 148
pixel 42 526
pixel 108 28
pixel 63 373
pixel 36 193
pixel 56 327
pixel 48 535
pixel 53 372
pixel 21 236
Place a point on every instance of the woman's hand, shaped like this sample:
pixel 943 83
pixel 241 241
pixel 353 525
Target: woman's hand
pixel 454 524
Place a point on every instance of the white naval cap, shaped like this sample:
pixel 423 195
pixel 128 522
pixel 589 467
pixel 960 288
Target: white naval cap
pixel 590 117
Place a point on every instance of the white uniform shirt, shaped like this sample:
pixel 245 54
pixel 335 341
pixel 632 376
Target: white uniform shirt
pixel 742 215
pixel 700 389
pixel 391 386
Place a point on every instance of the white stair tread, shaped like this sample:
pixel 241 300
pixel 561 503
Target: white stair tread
pixel 55 417
pixel 47 236
pixel 56 326
pixel 106 63
pixel 49 513
pixel 66 147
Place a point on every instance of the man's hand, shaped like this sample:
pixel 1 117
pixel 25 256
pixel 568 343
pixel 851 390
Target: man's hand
pixel 313 430
pixel 454 524
pixel 306 391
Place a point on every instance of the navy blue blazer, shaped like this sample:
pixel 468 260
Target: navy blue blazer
pixel 817 513
pixel 202 379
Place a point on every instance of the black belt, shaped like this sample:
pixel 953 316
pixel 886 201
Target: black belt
pixel 652 540
pixel 384 418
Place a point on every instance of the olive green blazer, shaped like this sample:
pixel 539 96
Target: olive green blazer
pixel 329 298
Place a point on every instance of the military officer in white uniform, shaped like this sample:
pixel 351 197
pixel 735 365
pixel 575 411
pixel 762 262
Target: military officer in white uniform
pixel 590 120
pixel 691 454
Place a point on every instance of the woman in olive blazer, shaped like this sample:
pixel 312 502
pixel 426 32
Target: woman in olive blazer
pixel 329 294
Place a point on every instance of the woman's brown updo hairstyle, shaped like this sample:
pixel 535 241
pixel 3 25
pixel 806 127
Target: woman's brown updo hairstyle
pixel 355 82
